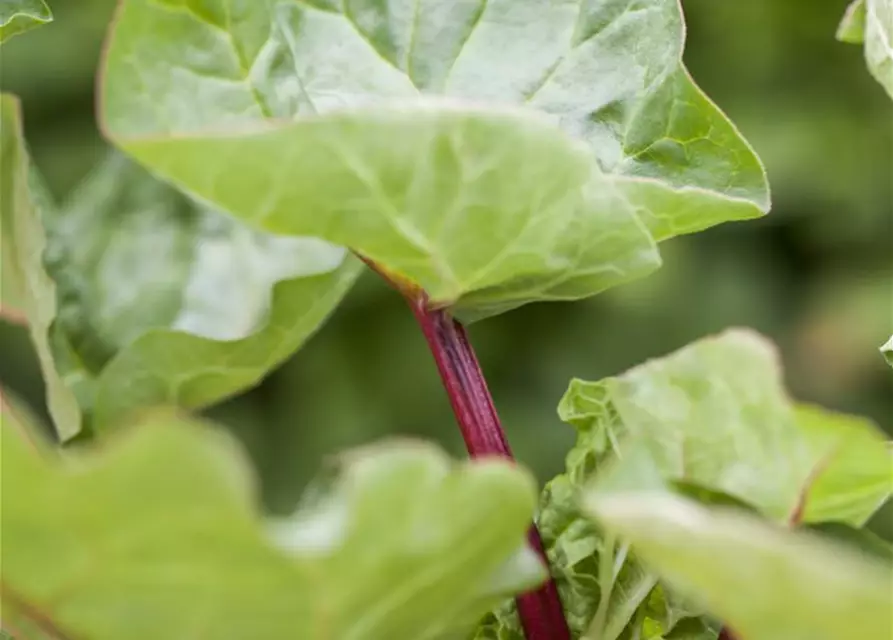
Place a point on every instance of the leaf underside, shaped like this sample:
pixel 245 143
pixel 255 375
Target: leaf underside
pixel 495 153
pixel 159 527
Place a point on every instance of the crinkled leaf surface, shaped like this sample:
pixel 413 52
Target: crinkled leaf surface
pixel 716 413
pixel 870 22
pixel 167 301
pixel 711 421
pixel 23 202
pixel 494 152
pixel 18 16
pixel 156 536
pixel 766 582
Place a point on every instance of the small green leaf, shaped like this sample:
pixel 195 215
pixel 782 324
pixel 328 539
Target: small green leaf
pixel 667 616
pixel 852 26
pixel 18 16
pixel 24 201
pixel 716 414
pixel 156 536
pixel 495 153
pixel 767 583
pixel 166 301
pixel 887 351
pixel 871 22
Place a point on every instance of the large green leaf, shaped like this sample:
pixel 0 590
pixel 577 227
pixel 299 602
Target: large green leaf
pixel 156 536
pixel 23 201
pixel 711 421
pixel 166 301
pixel 494 152
pixel 870 22
pixel 18 16
pixel 766 582
pixel 716 413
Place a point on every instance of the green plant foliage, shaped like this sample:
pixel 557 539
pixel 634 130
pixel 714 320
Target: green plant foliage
pixel 870 22
pixel 494 152
pixel 767 583
pixel 155 536
pixel 852 26
pixel 861 539
pixel 18 16
pixel 23 245
pixel 165 301
pixel 716 413
pixel 887 351
pixel 711 422
pixel 161 300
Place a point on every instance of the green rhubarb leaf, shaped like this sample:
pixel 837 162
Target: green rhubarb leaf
pixel 597 578
pixel 712 422
pixel 23 203
pixel 160 527
pixel 18 16
pixel 716 413
pixel 887 351
pixel 870 22
pixel 494 152
pixel 765 582
pixel 167 301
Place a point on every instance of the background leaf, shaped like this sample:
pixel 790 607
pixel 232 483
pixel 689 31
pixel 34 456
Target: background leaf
pixel 870 22
pixel 22 258
pixel 486 208
pixel 716 413
pixel 767 583
pixel 166 301
pixel 18 16
pixel 159 527
pixel 711 421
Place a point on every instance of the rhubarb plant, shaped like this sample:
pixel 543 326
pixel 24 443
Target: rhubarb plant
pixel 477 155
pixel 18 16
pixel 870 23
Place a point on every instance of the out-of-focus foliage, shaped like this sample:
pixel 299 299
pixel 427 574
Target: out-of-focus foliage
pixel 870 23
pixel 167 509
pixel 18 16
pixel 710 422
pixel 798 585
pixel 814 275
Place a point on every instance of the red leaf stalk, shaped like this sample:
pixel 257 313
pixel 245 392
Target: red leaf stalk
pixel 541 613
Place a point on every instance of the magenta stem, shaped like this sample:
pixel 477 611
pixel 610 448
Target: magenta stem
pixel 541 613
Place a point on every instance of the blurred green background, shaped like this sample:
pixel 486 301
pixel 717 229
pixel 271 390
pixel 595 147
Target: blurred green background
pixel 816 275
